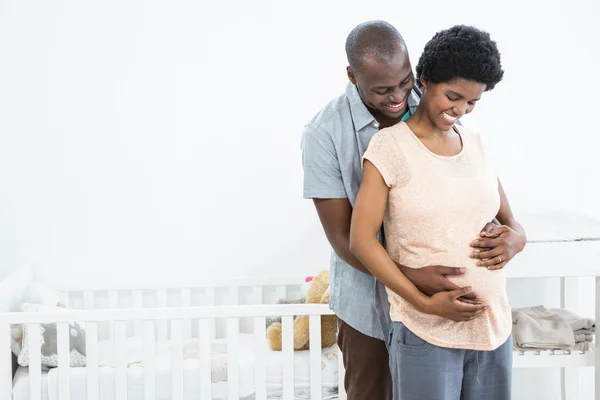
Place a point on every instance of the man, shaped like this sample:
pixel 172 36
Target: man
pixel 380 94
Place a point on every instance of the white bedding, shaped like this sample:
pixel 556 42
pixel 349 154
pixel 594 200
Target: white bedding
pixel 135 374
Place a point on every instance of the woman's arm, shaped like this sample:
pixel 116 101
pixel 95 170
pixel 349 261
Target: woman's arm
pixel 501 243
pixel 367 218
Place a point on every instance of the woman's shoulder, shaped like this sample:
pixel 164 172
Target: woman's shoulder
pixel 469 134
pixel 475 138
pixel 466 131
pixel 393 134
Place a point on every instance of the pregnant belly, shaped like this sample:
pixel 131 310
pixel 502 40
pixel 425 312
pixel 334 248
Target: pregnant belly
pixel 489 285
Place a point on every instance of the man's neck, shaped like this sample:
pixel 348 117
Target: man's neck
pixel 386 122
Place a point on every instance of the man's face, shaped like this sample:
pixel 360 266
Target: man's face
pixel 384 87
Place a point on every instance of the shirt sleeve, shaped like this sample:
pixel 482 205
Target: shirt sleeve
pixel 383 152
pixel 322 174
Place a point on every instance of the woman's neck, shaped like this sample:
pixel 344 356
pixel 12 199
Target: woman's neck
pixel 423 127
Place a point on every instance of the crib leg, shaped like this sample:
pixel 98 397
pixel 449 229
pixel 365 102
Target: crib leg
pixel 597 353
pixel 5 361
pixel 569 377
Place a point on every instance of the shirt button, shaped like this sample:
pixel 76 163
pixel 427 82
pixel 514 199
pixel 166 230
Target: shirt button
pixel 376 124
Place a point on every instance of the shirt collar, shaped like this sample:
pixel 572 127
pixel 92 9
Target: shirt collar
pixel 361 116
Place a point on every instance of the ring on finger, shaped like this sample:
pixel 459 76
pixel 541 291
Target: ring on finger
pixel 499 259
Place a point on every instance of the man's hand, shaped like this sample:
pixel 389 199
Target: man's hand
pixel 488 228
pixel 432 279
pixel 497 247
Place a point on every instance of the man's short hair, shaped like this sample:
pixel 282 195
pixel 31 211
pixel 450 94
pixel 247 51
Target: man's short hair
pixel 377 39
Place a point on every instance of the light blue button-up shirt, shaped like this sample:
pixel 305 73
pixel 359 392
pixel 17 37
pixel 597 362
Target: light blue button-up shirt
pixel 333 144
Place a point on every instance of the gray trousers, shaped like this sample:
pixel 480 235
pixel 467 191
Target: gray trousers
pixel 422 371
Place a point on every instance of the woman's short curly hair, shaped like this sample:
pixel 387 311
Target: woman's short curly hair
pixel 461 52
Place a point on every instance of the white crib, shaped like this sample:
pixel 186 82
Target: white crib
pixel 231 315
pixel 560 246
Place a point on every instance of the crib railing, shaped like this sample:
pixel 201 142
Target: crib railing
pixel 236 289
pixel 174 317
pixel 89 296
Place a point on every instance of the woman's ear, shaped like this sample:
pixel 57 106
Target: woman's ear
pixel 423 81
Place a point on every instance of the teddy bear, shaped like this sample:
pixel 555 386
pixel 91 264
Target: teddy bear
pixel 50 335
pixel 317 293
pixel 304 289
pixel 17 333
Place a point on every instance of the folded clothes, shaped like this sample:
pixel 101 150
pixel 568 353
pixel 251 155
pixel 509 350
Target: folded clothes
pixel 577 323
pixel 581 346
pixel 583 337
pixel 536 328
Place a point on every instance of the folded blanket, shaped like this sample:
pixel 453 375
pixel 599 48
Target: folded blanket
pixel 577 323
pixel 582 346
pixel 583 337
pixel 535 328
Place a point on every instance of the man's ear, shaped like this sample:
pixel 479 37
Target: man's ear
pixel 351 75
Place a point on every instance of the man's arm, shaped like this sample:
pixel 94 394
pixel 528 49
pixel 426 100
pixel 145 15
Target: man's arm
pixel 324 184
pixel 336 216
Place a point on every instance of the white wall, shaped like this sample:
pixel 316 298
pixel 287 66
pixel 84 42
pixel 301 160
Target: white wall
pixel 159 141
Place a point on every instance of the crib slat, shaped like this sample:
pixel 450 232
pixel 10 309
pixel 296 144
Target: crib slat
pixel 315 356
pixel 149 361
pixel 162 325
pixel 234 295
pixel 186 301
pixel 281 292
pixel 177 359
pixel 210 300
pixel 66 298
pixel 233 354
pixel 113 302
pixel 257 295
pixel 64 361
pixel 341 372
pixel 260 365
pixel 138 302
pixel 113 299
pixel 287 325
pixel 121 360
pixel 91 344
pixel 35 364
pixel 88 300
pixel 204 339
pixel 5 361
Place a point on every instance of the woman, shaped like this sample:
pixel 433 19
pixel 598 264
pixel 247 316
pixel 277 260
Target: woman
pixel 433 187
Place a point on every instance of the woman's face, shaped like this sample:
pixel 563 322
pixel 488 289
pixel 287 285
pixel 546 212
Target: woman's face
pixel 446 102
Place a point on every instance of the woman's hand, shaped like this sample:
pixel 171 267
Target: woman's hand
pixel 497 247
pixel 433 279
pixel 448 305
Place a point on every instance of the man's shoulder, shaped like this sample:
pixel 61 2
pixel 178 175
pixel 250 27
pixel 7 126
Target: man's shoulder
pixel 328 117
